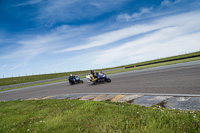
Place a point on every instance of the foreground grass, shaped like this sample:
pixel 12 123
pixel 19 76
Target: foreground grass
pixel 89 116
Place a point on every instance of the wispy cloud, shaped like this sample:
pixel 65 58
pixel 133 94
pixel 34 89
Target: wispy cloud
pixel 34 46
pixel 113 36
pixel 116 35
pixel 166 7
pixel 30 2
pixel 136 15
pixel 3 66
pixel 30 48
pixel 179 35
pixel 15 67
pixel 169 3
pixel 69 11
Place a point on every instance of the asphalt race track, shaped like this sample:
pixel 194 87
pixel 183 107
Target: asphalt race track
pixel 181 78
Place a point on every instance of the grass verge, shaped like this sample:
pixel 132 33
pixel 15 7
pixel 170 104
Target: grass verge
pixel 89 116
pixel 154 65
pixel 25 79
pixel 178 57
pixel 50 82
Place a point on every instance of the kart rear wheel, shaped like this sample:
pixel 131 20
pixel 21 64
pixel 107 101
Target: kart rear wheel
pixel 81 81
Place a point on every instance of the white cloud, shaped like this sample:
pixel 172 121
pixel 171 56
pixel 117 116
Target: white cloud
pixel 166 7
pixel 166 3
pixel 35 45
pixel 155 39
pixel 181 34
pixel 113 36
pixel 3 66
pixel 30 48
pixel 15 67
pixel 169 3
pixel 53 11
pixel 30 2
pixel 35 52
pixel 143 11
pixel 136 15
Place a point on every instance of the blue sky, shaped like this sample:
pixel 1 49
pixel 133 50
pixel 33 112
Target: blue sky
pixel 48 36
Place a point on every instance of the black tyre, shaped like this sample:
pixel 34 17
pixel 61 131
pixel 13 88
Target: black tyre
pixel 95 82
pixel 71 83
pixel 81 81
pixel 108 80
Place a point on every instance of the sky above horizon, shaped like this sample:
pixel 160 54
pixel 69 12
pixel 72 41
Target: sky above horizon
pixel 47 36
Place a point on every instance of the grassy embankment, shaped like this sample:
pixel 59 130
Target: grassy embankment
pixel 89 116
pixel 24 79
pixel 171 58
pixel 155 65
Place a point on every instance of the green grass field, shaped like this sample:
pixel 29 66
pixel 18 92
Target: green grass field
pixel 88 116
pixel 24 79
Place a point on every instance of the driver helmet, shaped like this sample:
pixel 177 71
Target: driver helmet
pixel 92 71
pixel 70 75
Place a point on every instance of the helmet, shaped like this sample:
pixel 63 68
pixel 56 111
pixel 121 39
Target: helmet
pixel 92 71
pixel 70 74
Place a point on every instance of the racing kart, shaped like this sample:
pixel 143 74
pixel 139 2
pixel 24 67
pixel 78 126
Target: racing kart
pixel 75 80
pixel 100 79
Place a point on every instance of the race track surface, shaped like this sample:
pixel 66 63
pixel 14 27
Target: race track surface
pixel 181 78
